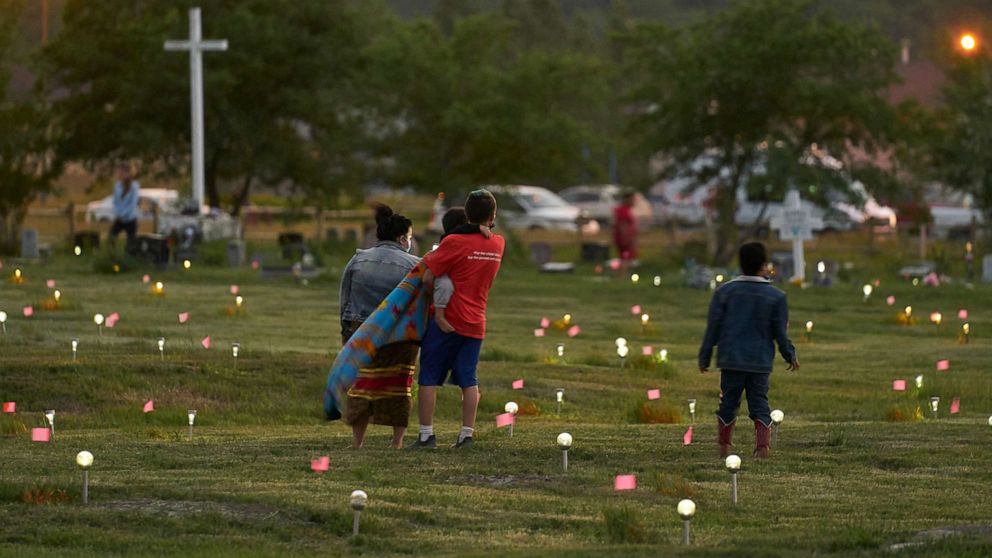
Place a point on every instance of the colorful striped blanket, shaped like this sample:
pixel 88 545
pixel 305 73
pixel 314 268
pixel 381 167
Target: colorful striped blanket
pixel 402 316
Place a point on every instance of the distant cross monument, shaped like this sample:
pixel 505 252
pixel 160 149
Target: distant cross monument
pixel 796 224
pixel 196 45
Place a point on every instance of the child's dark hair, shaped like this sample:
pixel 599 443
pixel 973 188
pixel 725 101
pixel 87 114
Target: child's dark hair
pixel 753 257
pixel 389 225
pixel 480 206
pixel 453 218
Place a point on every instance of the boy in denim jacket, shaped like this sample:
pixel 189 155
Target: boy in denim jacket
pixel 745 316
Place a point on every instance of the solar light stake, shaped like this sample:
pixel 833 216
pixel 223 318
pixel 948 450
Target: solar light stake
pixel 3 322
pixel 965 332
pixel 559 398
pixel 98 320
pixel 934 403
pixel 75 347
pixel 50 417
pixel 564 443
pixel 560 349
pixel 777 417
pixel 622 352
pixel 733 464
pixel 191 415
pixel 235 349
pixel 161 347
pixel 686 509
pixel 512 408
pixel 84 460
pixel 692 410
pixel 358 501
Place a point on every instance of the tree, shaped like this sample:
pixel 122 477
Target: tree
pixel 25 166
pixel 482 107
pixel 275 103
pixel 962 148
pixel 757 96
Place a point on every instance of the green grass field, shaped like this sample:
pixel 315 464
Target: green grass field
pixel 852 473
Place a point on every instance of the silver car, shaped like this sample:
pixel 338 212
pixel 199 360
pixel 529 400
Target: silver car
pixel 533 208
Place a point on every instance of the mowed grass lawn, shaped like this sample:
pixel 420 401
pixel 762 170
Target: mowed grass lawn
pixel 852 472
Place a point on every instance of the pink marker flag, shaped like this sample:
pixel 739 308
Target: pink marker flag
pixel 183 317
pixel 146 279
pixel 647 351
pixel 687 438
pixel 574 330
pixel 963 314
pixel 113 319
pixel 955 405
pixel 234 289
pixel 518 384
pixel 321 464
pixel 254 264
pixel 41 435
pixel 9 407
pixel 206 342
pixel 598 269
pixel 50 283
pixel 28 311
pixel 506 419
pixel 943 365
pixel 545 323
pixel 654 394
pixel 890 300
pixel 149 406
pixel 539 332
pixel 635 309
pixel 625 482
pixel 614 264
pixel 898 385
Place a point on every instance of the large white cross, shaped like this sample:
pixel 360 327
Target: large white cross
pixel 796 224
pixel 196 45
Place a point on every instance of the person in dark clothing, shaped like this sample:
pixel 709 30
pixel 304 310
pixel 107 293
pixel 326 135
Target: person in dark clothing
pixel 747 316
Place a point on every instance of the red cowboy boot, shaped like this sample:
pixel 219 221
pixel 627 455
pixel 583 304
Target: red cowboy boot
pixel 762 440
pixel 725 434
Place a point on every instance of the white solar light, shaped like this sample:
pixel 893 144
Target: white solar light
pixel 84 460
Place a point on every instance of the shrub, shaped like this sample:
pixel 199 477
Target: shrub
pixel 624 525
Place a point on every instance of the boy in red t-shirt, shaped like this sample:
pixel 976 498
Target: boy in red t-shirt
pixel 471 261
pixel 625 230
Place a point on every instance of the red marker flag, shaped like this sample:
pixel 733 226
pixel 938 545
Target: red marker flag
pixel 955 405
pixel 28 311
pixel 9 407
pixel 234 289
pixel 505 419
pixel 573 331
pixel 646 351
pixel 898 385
pixel 539 332
pixel 635 309
pixel 687 438
pixel 149 406
pixel 146 279
pixel 321 464
pixel 41 435
pixel 963 314
pixel 183 317
pixel 654 394
pixel 50 283
pixel 943 365
pixel 545 323
pixel 206 342
pixel 518 384
pixel 625 482
pixel 113 319
pixel 890 300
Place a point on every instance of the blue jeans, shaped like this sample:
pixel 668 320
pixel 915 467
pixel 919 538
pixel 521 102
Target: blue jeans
pixel 733 384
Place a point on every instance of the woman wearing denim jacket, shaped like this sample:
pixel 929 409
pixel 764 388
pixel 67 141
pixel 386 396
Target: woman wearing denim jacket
pixel 746 315
pixel 382 392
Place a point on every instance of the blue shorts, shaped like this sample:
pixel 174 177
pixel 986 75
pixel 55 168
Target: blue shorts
pixel 442 352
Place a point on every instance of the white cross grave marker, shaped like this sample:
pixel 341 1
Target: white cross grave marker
pixel 196 45
pixel 796 224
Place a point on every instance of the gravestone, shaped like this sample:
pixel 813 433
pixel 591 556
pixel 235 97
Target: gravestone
pixel 89 241
pixel 987 269
pixel 151 248
pixel 595 252
pixel 29 244
pixel 292 245
pixel 785 266
pixel 235 253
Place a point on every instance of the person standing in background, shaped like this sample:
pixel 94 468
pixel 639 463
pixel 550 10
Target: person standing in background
pixel 625 231
pixel 125 201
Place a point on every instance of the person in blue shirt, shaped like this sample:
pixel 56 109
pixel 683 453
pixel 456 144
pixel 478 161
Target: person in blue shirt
pixel 746 315
pixel 125 204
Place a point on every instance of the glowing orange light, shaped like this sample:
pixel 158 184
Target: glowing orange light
pixel 968 42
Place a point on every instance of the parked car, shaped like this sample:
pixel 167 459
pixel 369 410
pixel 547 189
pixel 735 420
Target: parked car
pixel 533 207
pixel 598 202
pixel 102 210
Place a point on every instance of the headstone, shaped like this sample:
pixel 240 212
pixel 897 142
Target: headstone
pixel 29 244
pixel 784 265
pixel 796 224
pixel 292 245
pixel 152 248
pixel 540 253
pixel 236 253
pixel 987 269
pixel 89 241
pixel 595 252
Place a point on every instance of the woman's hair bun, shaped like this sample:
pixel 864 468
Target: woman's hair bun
pixel 382 213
